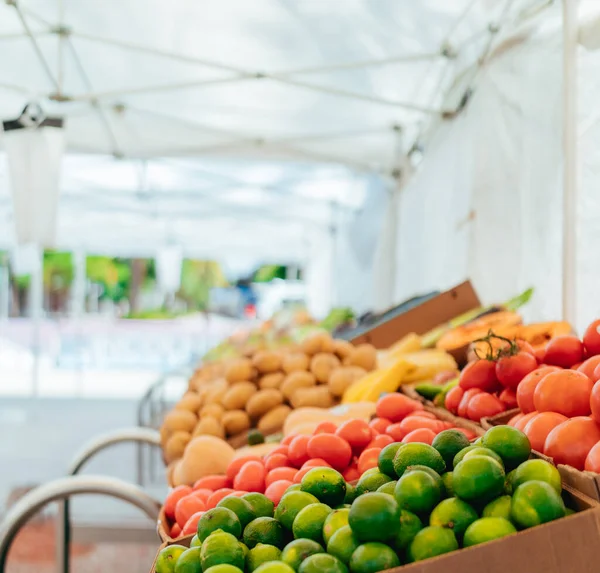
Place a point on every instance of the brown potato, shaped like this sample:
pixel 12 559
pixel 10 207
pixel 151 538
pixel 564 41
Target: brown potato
pixel 238 395
pixel 295 361
pixel 342 348
pixel 180 420
pixel 266 361
pixel 317 397
pixel 342 378
pixel 216 391
pixel 273 421
pixel 239 370
pixel 297 380
pixel 263 401
pixel 322 365
pixel 191 401
pixel 176 446
pixel 272 380
pixel 209 426
pixel 236 421
pixel 317 342
pixel 365 356
pixel 215 411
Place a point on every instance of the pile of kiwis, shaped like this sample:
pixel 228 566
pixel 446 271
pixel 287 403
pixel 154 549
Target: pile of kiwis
pixel 227 398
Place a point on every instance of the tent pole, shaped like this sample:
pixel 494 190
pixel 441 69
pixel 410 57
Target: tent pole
pixel 570 188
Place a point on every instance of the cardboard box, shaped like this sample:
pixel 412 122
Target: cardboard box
pixel 567 545
pixel 422 318
pixel 587 483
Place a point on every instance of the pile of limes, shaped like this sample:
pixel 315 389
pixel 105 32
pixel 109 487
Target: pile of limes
pixel 421 501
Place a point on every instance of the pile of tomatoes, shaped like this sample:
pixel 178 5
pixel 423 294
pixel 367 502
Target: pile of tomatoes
pixel 352 448
pixel 557 392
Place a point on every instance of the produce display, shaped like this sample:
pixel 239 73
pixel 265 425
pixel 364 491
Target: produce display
pixel 353 498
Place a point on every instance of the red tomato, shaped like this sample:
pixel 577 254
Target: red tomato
pixel 333 449
pixel 175 531
pixel 416 423
pixel 368 459
pixel 351 474
pixel 514 420
pixel 315 463
pixel 453 398
pixel 396 407
pixel 288 439
pixel 217 496
pixel 234 467
pixel 273 461
pixel 186 507
pixel 508 398
pixel 422 435
pixel 251 477
pixel 280 450
pixel 239 493
pixel 174 496
pixel 191 525
pixel 280 474
pixel 484 405
pixel 357 433
pixel 379 424
pixel 510 370
pixel 422 414
pixel 480 374
pixel 297 453
pixel 524 346
pixel 566 392
pixel 564 351
pixel 301 473
pixel 380 441
pixel 592 462
pixel 464 401
pixel 570 442
pixel 325 428
pixel 522 422
pixel 595 402
pixel 589 366
pixel 538 428
pixel 528 385
pixel 203 494
pixel 539 354
pixel 213 483
pixel 591 339
pixel 277 489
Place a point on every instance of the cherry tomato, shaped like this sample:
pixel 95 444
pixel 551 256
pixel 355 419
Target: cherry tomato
pixel 333 449
pixel 280 473
pixel 174 496
pixel 464 401
pixel 191 525
pixel 277 489
pixel 566 392
pixel 453 398
pixel 564 351
pixel 280 450
pixel 528 385
pixel 484 405
pixel 273 461
pixel 510 370
pixel 315 463
pixel 217 496
pixel 591 338
pixel 357 433
pixel 422 414
pixel 203 494
pixel 175 531
pixel 396 432
pixel 288 439
pixel 186 507
pixel 417 422
pixel 379 424
pixel 524 346
pixel 351 473
pixel 251 477
pixel 368 459
pixel 508 398
pixel 396 407
pixel 380 441
pixel 234 467
pixel 422 435
pixel 480 374
pixel 325 428
pixel 297 453
pixel 213 482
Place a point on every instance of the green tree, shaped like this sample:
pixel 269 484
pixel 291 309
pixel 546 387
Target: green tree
pixel 197 278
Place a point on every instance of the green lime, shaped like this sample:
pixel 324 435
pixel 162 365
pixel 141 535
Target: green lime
pixel 261 504
pixel 500 507
pixel 478 441
pixel 431 541
pixel 245 550
pixel 223 568
pixel 454 514
pixel 534 503
pixel 167 558
pixel 195 542
pixel 294 487
pixel 487 529
pixel 322 563
pixel 240 507
pixel 265 530
pixel 350 493
pixel 388 487
pixel 385 462
pixel 478 479
pixel 459 457
pixel 255 437
pixel 371 480
pixel 335 520
pixel 537 470
pixel 374 516
pixel 410 525
pixel 418 492
pixel 261 553
pixel 221 547
pixel 274 567
pixel 219 518
pixel 508 482
pixel 342 544
pixel 290 505
pixel 481 451
pixel 295 552
pixel 414 454
pixel 189 561
pixel 373 557
pixel 448 443
pixel 326 484
pixel 432 473
pixel 447 480
pixel 309 522
pixel 510 444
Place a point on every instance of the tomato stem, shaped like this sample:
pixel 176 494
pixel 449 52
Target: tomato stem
pixel 493 356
